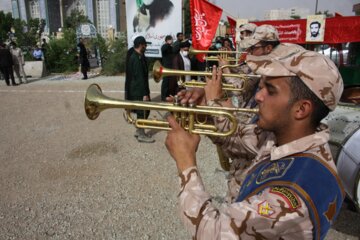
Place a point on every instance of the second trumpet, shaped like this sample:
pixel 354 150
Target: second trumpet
pixel 159 71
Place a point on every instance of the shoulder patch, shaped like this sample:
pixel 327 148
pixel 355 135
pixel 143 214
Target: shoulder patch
pixel 265 210
pixel 288 195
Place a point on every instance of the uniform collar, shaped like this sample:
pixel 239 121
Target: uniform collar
pixel 320 137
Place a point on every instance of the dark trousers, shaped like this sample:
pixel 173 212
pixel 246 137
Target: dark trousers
pixel 84 71
pixel 8 73
pixel 169 87
pixel 164 88
pixel 140 114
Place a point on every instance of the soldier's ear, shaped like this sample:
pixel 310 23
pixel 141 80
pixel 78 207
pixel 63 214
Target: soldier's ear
pixel 268 49
pixel 303 109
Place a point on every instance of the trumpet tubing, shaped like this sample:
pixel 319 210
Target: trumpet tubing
pixel 197 84
pixel 186 116
pixel 159 71
pixel 216 59
pixel 223 53
pixel 193 51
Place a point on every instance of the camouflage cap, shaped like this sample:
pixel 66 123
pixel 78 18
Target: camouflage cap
pixel 247 27
pixel 264 32
pixel 317 71
pixel 284 49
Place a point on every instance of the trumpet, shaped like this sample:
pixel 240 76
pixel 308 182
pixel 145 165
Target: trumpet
pixel 159 71
pixel 186 116
pixel 224 53
pixel 196 84
pixel 196 51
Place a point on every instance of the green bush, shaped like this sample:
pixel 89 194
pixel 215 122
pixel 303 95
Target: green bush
pixel 99 45
pixel 114 60
pixel 61 54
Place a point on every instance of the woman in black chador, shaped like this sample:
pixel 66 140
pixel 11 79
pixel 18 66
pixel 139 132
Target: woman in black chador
pixel 83 58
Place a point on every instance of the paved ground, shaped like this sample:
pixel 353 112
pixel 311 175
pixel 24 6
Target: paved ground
pixel 63 176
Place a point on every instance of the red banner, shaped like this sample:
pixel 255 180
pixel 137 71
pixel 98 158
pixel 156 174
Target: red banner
pixel 232 24
pixel 205 18
pixel 337 30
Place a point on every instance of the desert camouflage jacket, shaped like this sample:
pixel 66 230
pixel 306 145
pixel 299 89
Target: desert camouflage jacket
pixel 271 214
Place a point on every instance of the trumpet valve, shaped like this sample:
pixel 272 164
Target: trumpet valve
pixel 191 119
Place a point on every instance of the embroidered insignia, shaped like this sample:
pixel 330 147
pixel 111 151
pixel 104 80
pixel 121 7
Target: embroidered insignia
pixel 331 211
pixel 253 176
pixel 264 209
pixel 248 182
pixel 274 170
pixel 289 196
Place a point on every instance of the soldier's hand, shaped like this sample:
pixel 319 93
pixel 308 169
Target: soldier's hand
pixel 213 87
pixel 192 95
pixel 223 62
pixel 181 145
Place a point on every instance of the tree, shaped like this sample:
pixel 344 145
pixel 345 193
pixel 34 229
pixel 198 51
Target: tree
pixel 115 62
pixel 326 13
pixel 75 19
pixel 25 34
pixel 61 53
pixel 6 22
pixel 295 17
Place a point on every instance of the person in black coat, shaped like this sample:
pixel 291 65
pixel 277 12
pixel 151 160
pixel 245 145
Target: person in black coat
pixel 137 83
pixel 167 58
pixel 6 65
pixel 83 58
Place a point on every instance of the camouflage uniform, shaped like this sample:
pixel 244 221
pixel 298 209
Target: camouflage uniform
pixel 241 159
pixel 275 212
pixel 266 33
pixel 247 27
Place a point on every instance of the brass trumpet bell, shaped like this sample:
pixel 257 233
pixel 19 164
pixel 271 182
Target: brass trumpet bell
pixel 186 116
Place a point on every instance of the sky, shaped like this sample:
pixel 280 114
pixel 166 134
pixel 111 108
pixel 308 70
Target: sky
pixel 5 5
pixel 255 9
pixel 251 9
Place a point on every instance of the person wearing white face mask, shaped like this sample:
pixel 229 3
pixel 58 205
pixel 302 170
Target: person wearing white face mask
pixel 182 61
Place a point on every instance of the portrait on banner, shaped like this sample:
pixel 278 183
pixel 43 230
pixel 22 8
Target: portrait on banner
pixel 153 19
pixel 315 28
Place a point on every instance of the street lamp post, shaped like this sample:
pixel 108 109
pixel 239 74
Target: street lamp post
pixel 61 13
pixel 316 7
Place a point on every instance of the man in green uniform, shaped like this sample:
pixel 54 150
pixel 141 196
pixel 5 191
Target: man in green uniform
pixel 137 88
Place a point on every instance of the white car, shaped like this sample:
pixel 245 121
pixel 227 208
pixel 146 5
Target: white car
pixel 344 125
pixel 334 54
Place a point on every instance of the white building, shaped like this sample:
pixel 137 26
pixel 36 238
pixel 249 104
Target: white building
pixel 278 14
pixel 102 13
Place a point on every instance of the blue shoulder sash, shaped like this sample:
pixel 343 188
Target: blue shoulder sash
pixel 318 185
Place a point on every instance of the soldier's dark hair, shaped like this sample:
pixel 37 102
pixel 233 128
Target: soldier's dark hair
pixel 300 91
pixel 168 37
pixel 272 43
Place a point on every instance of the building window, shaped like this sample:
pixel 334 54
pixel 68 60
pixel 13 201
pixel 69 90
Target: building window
pixel 102 16
pixel 34 8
